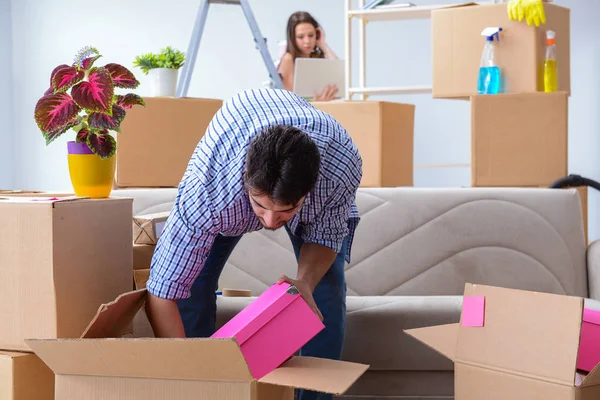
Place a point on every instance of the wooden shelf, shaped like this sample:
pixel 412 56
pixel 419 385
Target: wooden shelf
pixel 391 14
pixel 391 90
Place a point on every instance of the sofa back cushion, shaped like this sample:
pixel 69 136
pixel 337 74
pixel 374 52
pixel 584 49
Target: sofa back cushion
pixel 421 241
pixel 414 241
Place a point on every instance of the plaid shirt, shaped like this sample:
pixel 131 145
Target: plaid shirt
pixel 211 199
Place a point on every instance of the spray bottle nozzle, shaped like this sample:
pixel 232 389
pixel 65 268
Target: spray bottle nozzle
pixel 490 32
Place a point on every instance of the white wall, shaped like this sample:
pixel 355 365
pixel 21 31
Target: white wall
pixel 398 53
pixel 6 69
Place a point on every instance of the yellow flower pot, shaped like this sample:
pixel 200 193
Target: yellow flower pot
pixel 91 176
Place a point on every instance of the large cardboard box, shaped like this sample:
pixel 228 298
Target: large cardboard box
pixel 59 260
pixel 156 142
pixel 457 46
pixel 185 369
pixel 383 133
pixel 514 344
pixel 519 139
pixel 23 376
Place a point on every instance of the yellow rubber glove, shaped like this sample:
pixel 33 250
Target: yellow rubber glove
pixel 531 10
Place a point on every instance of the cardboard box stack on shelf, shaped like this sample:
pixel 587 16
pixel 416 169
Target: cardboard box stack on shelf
pixel 60 259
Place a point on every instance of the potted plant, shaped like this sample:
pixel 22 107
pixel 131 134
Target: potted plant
pixel 162 69
pixel 82 97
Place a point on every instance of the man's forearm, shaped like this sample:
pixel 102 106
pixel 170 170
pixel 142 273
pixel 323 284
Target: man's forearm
pixel 314 262
pixel 164 317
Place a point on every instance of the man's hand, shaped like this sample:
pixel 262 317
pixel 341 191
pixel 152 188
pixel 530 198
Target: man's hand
pixel 313 263
pixel 305 291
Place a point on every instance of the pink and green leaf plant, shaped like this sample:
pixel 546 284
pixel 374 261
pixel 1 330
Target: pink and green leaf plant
pixel 92 108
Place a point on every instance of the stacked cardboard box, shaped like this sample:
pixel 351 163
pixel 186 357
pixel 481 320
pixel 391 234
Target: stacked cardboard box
pixel 518 138
pixel 157 141
pixel 146 231
pixel 383 133
pixel 60 259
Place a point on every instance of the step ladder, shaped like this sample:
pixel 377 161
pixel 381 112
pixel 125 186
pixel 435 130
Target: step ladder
pixel 192 52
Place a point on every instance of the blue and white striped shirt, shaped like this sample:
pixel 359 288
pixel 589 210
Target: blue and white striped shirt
pixel 211 198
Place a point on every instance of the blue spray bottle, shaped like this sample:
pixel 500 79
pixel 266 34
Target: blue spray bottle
pixel 490 81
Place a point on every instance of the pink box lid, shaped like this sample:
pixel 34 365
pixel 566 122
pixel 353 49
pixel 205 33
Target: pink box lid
pixel 258 313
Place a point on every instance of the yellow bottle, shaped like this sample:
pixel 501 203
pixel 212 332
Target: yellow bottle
pixel 550 67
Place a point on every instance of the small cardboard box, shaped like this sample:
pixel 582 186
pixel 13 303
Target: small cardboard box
pixel 147 228
pixel 23 376
pixel 157 141
pixel 272 328
pixel 514 344
pixel 59 260
pixel 519 139
pixel 383 133
pixel 457 46
pixel 140 277
pixel 185 369
pixel 142 255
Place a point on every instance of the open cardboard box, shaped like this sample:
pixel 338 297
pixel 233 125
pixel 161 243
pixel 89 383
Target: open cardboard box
pixel 105 365
pixel 515 344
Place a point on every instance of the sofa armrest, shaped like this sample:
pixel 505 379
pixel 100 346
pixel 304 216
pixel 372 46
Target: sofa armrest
pixel 593 270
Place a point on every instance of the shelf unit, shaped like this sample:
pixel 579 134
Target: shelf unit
pixel 383 14
pixel 376 14
pixel 380 14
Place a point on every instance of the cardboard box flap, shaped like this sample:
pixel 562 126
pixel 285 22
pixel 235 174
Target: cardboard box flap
pixel 441 338
pixel 39 199
pixel 318 374
pixel 593 378
pixel 113 320
pixel 528 333
pixel 12 354
pixel 188 359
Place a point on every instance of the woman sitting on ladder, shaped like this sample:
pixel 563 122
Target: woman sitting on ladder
pixel 305 38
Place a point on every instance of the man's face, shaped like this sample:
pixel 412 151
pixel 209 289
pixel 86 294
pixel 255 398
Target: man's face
pixel 273 215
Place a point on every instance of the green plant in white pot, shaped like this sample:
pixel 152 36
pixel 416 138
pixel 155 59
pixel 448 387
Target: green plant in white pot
pixel 163 70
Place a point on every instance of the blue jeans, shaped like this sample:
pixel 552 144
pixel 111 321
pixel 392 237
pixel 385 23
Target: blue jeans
pixel 199 312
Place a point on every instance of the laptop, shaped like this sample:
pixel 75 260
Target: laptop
pixel 311 75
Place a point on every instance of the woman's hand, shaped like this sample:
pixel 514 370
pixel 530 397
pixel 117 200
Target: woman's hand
pixel 322 44
pixel 328 93
pixel 321 38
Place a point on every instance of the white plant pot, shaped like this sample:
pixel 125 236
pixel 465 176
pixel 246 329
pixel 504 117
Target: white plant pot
pixel 163 82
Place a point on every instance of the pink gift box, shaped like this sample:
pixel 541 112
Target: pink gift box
pixel 272 328
pixel 589 343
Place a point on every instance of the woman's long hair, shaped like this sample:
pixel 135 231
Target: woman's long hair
pixel 296 18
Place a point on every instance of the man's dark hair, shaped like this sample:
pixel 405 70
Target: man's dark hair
pixel 282 162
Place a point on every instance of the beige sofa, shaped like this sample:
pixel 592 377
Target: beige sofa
pixel 414 251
